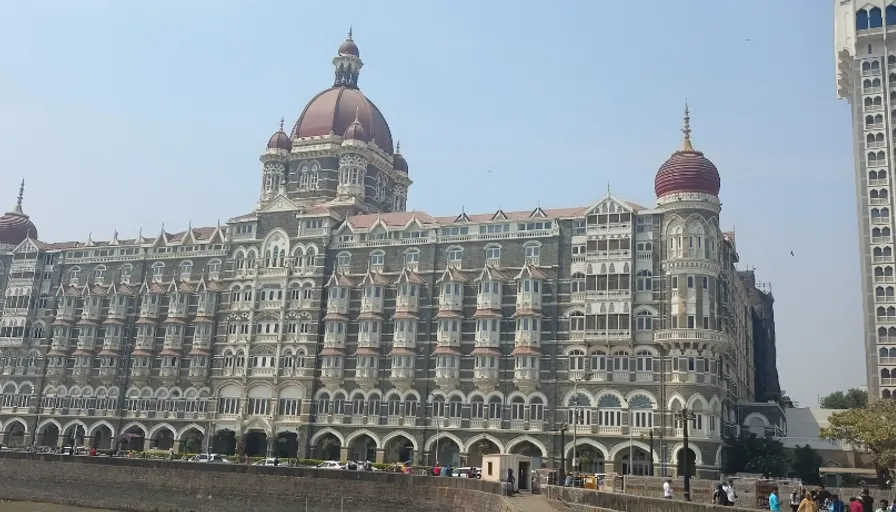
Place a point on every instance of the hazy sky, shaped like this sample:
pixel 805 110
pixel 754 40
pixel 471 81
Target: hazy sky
pixel 124 115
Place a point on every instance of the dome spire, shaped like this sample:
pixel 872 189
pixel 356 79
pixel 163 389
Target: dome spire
pixel 347 62
pixel 18 208
pixel 686 143
pixel 282 120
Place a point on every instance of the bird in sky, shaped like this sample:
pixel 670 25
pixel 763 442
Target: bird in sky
pixel 791 253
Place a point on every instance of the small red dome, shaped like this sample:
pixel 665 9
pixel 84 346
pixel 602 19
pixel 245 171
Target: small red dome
pixel 398 161
pixel 355 131
pixel 687 170
pixel 348 47
pixel 280 140
pixel 15 226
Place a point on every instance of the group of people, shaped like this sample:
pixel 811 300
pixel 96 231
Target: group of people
pixel 725 494
pixel 820 499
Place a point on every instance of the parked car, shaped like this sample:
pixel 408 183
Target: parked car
pixel 330 464
pixel 209 457
pixel 267 462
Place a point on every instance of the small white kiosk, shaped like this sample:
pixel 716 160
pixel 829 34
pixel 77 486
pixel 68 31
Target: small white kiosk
pixel 496 468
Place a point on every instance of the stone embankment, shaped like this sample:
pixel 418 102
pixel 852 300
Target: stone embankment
pixel 164 486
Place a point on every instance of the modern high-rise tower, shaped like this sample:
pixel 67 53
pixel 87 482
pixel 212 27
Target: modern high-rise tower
pixel 865 46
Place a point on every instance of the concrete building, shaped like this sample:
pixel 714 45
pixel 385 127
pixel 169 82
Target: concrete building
pixel 866 77
pixel 331 323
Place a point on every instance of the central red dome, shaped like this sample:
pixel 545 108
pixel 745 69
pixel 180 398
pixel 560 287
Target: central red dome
pixel 687 170
pixel 332 111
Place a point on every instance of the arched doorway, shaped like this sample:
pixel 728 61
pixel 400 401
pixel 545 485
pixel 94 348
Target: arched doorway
pixel 446 451
pixel 362 447
pixel 74 435
pixel 49 435
pixel 691 459
pixel 328 447
pixel 586 458
pixel 191 441
pixel 163 439
pixel 642 465
pixel 287 446
pixel 102 437
pixel 256 443
pixel 132 439
pixel 528 449
pixel 224 442
pixel 14 434
pixel 399 449
pixel 480 448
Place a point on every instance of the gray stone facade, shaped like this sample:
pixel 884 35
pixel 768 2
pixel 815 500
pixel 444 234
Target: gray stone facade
pixel 329 323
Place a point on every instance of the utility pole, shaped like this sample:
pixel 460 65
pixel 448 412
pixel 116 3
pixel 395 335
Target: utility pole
pixel 686 416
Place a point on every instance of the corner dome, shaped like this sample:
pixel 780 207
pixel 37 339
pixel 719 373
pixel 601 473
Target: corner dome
pixel 15 226
pixel 398 161
pixel 687 170
pixel 355 131
pixel 280 140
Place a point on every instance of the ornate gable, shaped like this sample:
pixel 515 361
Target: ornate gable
pixel 490 274
pixel 452 275
pixel 281 203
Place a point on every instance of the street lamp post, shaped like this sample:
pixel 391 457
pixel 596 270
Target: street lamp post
pixel 575 423
pixel 651 452
pixel 561 476
pixel 686 416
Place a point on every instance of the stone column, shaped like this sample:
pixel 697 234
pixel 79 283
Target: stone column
pixel 272 444
pixel 380 455
pixel 609 466
pixel 147 444
pixel 343 453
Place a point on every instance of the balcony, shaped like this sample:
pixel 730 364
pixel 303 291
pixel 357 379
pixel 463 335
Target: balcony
pixel 262 372
pixel 150 308
pixel 690 335
pixel 331 377
pixel 488 338
pixel 334 339
pixel 528 300
pixel 646 377
pixel 609 335
pixel 526 379
pixel 448 338
pixel 447 378
pixel 372 304
pixel 450 302
pixel 485 378
pixel 489 301
pixel 407 303
pixel 270 304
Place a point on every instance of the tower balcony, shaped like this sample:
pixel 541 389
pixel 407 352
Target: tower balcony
pixel 706 337
pixel 407 303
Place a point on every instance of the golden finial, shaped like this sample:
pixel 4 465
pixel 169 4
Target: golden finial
pixel 686 143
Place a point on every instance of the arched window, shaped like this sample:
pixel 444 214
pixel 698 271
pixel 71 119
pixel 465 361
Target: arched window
pixel 576 360
pixel 377 259
pixel 875 18
pixel 861 19
pixel 158 271
pixel 99 274
pixel 577 283
pixel 644 321
pixel 186 268
pixel 577 322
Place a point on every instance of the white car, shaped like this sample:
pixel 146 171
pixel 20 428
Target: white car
pixel 209 457
pixel 330 464
pixel 267 462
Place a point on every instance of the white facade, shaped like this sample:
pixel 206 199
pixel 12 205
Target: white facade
pixel 865 46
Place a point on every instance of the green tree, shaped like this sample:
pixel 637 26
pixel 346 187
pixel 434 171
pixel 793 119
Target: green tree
pixel 854 398
pixel 805 463
pixel 754 454
pixel 872 430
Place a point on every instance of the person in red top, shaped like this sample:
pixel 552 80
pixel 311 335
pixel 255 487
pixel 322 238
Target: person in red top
pixel 93 452
pixel 436 471
pixel 855 505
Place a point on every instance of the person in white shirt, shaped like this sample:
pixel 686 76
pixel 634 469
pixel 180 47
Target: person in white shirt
pixel 667 489
pixel 732 495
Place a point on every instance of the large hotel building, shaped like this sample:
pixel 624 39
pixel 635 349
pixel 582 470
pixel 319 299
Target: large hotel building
pixel 332 323
pixel 865 58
